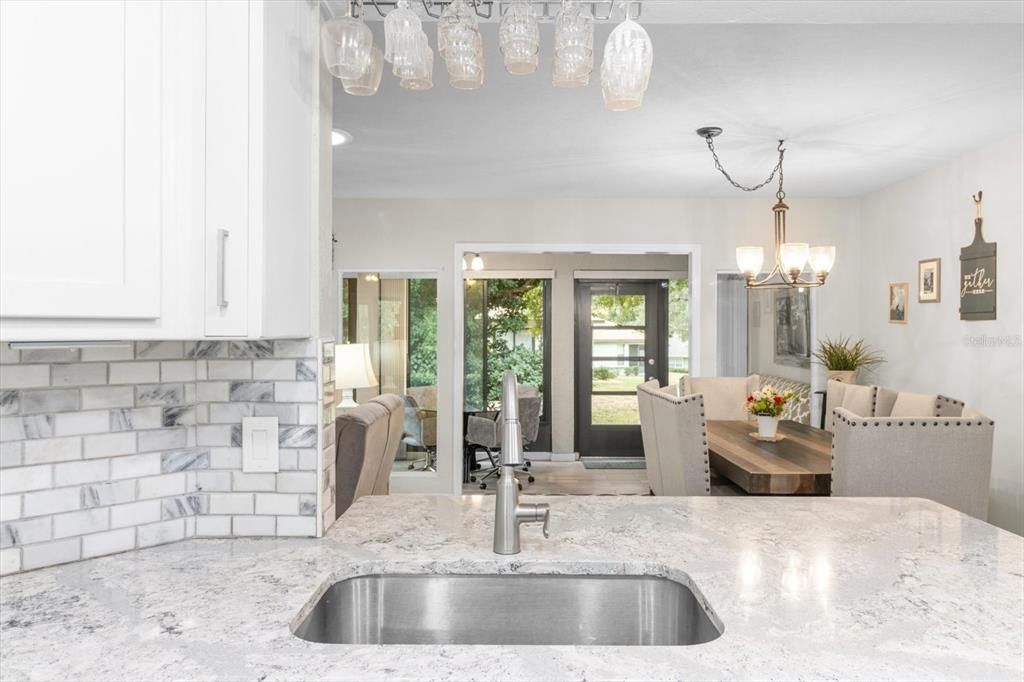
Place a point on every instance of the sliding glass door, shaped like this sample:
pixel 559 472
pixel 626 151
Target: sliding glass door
pixel 507 326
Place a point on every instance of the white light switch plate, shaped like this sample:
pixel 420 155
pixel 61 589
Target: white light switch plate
pixel 259 444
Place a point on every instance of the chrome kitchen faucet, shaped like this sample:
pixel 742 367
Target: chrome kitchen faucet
pixel 508 513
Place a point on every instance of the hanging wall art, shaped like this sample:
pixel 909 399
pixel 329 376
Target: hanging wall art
pixel 978 273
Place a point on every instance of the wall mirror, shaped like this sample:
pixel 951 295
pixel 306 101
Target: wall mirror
pixel 395 315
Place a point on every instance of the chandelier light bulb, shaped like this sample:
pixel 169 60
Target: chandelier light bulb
pixel 346 43
pixel 626 68
pixel 367 84
pixel 822 258
pixel 519 38
pixel 794 257
pixel 749 260
pixel 477 264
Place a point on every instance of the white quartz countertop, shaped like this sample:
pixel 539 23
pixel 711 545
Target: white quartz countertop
pixel 806 588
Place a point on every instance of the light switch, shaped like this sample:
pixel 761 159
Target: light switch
pixel 260 444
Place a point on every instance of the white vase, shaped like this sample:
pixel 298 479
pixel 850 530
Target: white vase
pixel 843 376
pixel 767 427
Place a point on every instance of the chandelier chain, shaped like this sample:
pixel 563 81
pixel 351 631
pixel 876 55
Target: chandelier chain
pixel 780 194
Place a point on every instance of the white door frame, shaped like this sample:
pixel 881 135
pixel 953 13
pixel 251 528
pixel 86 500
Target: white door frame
pixel 454 449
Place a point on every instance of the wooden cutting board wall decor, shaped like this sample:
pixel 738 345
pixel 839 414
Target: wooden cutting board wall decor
pixel 978 273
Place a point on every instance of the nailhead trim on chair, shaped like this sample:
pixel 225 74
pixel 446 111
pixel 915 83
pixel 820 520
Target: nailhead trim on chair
pixel 704 437
pixel 968 422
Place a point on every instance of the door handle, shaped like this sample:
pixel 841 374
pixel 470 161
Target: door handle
pixel 650 362
pixel 222 238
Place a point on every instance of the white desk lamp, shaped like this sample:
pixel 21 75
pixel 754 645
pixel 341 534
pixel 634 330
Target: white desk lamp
pixel 352 370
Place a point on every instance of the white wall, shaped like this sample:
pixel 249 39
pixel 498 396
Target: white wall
pixel 932 215
pixel 416 234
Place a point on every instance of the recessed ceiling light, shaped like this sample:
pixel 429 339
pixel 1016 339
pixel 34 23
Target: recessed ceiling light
pixel 340 137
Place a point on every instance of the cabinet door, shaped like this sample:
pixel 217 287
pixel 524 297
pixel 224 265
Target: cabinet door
pixel 80 172
pixel 227 168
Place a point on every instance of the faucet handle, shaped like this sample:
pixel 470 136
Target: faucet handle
pixel 547 518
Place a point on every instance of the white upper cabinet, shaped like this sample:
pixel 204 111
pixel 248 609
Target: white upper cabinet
pixel 81 168
pixel 261 173
pixel 227 291
pixel 158 176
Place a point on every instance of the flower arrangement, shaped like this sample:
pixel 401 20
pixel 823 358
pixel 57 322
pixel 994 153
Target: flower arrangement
pixel 767 402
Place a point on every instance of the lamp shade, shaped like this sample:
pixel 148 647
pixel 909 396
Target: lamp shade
pixel 352 367
pixel 749 259
pixel 822 258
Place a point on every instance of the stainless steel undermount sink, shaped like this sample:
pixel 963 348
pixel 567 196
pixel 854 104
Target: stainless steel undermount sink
pixel 592 610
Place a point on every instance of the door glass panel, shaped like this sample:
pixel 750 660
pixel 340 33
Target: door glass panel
pixel 614 409
pixel 616 342
pixel 618 310
pixel 617 375
pixel 678 330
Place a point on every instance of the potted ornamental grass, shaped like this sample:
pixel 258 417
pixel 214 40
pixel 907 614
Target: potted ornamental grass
pixel 843 358
pixel 767 405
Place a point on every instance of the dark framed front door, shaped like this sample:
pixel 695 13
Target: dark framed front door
pixel 621 342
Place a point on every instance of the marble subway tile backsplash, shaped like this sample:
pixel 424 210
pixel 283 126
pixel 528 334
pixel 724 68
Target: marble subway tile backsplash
pixel 108 449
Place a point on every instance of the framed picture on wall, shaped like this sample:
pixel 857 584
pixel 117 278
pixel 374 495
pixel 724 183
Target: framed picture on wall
pixel 792 327
pixel 929 281
pixel 899 295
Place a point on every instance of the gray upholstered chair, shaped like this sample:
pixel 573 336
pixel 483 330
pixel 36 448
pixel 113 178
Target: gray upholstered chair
pixel 675 441
pixel 486 431
pixel 724 397
pixel 945 459
pixel 367 440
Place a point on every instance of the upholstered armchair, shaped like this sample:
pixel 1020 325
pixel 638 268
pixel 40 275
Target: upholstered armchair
pixel 947 459
pixel 724 397
pixel 367 440
pixel 675 441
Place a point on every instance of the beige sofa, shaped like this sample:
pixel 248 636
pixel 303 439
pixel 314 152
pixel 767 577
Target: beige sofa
pixel 889 443
pixel 724 397
pixel 877 401
pixel 367 440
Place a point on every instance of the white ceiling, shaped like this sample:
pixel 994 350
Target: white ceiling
pixel 861 104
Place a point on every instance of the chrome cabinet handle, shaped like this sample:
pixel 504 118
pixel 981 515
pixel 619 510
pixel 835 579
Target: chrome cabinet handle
pixel 222 238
